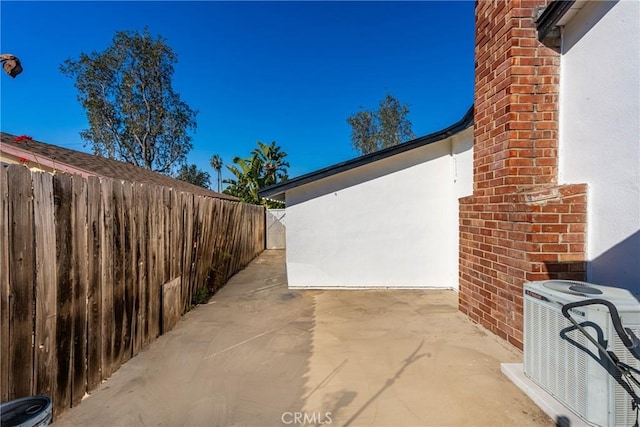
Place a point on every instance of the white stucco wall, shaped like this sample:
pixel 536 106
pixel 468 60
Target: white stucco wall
pixel 600 133
pixel 391 223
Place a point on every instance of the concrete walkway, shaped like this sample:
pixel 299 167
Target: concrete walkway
pixel 259 354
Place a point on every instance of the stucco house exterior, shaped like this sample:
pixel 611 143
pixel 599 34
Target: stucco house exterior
pixel 542 181
pixel 599 125
pixel 40 156
pixel 383 220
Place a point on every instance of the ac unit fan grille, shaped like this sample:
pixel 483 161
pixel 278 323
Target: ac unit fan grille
pixel 625 415
pixel 559 366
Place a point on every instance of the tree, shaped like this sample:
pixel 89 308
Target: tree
pixel 133 112
pixel 274 167
pixel 266 166
pixel 216 163
pixel 193 175
pixel 246 181
pixel 374 130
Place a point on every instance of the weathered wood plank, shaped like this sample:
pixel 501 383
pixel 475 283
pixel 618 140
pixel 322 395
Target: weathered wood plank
pixel 141 244
pixel 165 260
pixel 143 261
pixel 171 304
pixel 208 232
pixel 234 261
pixel 118 274
pixel 135 272
pixel 107 319
pixel 221 247
pixel 63 198
pixel 21 281
pixel 204 262
pixel 177 236
pixel 262 234
pixel 219 227
pixel 155 276
pixel 45 320
pixel 4 286
pixel 186 245
pixel 225 223
pixel 129 291
pixel 94 291
pixel 80 285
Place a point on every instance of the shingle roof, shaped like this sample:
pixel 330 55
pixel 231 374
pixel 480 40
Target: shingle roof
pixel 277 190
pixel 89 164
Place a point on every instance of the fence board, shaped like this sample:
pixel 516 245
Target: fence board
pixel 187 249
pixel 171 304
pixel 63 199
pixel 224 246
pixel 94 290
pixel 79 280
pixel 176 239
pixel 145 251
pixel 203 269
pixel 107 319
pixel 155 276
pixel 135 272
pixel 21 281
pixel 45 316
pixel 128 282
pixel 118 273
pixel 212 213
pixel 221 242
pixel 165 259
pixel 234 262
pixel 141 243
pixel 5 353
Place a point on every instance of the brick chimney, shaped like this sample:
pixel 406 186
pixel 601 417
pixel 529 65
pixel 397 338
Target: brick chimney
pixel 519 225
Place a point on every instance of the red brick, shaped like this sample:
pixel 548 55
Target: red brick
pixel 502 235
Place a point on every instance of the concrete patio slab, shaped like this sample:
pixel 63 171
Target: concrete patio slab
pixel 260 354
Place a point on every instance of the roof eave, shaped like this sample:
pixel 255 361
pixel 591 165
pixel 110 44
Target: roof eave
pixel 557 14
pixel 278 190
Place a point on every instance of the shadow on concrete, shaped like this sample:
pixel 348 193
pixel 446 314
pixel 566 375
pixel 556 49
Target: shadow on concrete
pixel 412 358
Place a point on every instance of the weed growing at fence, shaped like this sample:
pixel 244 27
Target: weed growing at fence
pixel 201 296
pixel 216 280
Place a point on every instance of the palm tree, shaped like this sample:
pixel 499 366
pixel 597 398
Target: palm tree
pixel 274 167
pixel 216 163
pixel 266 166
pixel 247 180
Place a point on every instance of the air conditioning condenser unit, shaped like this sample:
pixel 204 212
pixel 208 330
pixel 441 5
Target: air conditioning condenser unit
pixel 565 363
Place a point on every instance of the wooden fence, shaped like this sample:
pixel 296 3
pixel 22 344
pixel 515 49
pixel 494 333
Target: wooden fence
pixel 82 264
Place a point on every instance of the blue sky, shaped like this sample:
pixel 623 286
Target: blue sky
pixel 290 72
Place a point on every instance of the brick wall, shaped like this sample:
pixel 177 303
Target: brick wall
pixel 519 224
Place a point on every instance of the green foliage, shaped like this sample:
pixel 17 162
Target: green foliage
pixel 133 112
pixel 266 166
pixel 216 279
pixel 201 296
pixel 216 164
pixel 374 130
pixel 193 175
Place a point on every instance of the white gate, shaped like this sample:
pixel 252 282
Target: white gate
pixel 276 230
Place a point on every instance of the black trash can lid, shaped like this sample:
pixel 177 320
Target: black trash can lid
pixel 26 412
